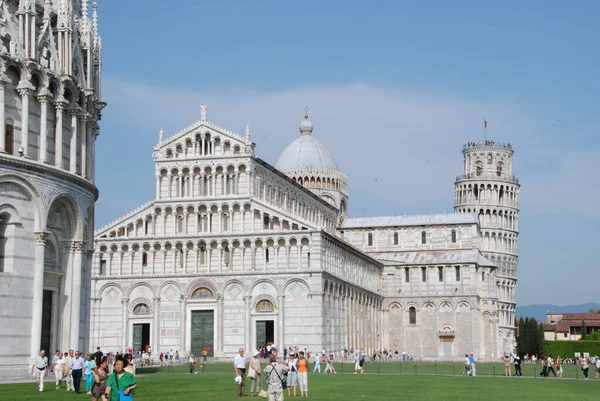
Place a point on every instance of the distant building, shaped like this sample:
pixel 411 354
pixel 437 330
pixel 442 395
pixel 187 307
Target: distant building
pixel 567 326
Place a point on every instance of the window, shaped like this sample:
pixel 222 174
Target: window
pixel 482 276
pixel 395 238
pixel 225 222
pixel 412 315
pixel 9 139
pixel 454 236
pixel 479 167
pixel 180 224
pixel 267 254
pixel 565 335
pixel 440 274
pixel 3 242
pixel 266 223
pixel 423 237
pixel 407 274
pixel 308 260
pixel 144 259
pixel 457 269
pixel 145 227
pixel 226 256
pixel 202 255
pixel 424 274
pixel 102 267
pixel 370 239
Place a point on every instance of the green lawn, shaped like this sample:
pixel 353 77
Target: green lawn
pixel 217 384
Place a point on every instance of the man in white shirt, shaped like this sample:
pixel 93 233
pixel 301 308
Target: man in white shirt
pixel 239 366
pixel 40 364
pixel 54 359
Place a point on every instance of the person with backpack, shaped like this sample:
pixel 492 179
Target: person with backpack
pixel 274 373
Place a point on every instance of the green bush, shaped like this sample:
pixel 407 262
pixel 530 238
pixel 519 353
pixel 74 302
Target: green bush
pixel 569 348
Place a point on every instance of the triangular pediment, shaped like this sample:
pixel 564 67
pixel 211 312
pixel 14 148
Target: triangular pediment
pixel 201 127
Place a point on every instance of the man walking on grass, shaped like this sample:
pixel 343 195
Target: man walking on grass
pixel 40 368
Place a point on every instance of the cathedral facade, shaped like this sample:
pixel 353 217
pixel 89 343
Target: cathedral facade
pixel 234 252
pixel 50 105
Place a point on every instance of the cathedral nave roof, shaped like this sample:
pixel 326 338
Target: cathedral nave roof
pixel 433 258
pixel 405 221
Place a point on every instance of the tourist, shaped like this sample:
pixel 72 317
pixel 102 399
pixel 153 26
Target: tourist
pixel 120 382
pixel 303 374
pixel 559 368
pixel 100 375
pixel 239 366
pixel 330 365
pixel 360 361
pixel 544 372
pixel 472 361
pixel 292 376
pixel 59 369
pixel 98 356
pixel 111 362
pixel 254 372
pixel 597 365
pixel 39 369
pixel 467 371
pixel 274 373
pixel 517 363
pixel 192 363
pixel 89 367
pixel 54 359
pixel 317 364
pixel 507 360
pixel 585 367
pixel 68 373
pixel 77 364
pixel 130 365
pixel 550 364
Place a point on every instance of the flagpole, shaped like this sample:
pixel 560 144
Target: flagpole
pixel 485 128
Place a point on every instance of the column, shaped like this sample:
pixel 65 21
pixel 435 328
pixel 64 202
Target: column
pixel 250 186
pixel 247 321
pixel 220 213
pixel 219 325
pixel 58 138
pixel 203 139
pixel 76 293
pixel 280 340
pixel 164 223
pixel 25 90
pixel 157 186
pixel 3 82
pixel 156 327
pixel 182 327
pixel 214 184
pixel 220 256
pixel 73 145
pixel 124 303
pixel 201 184
pixel 196 249
pixel 192 192
pixel 85 134
pixel 38 294
pixel 43 155
pixel 92 169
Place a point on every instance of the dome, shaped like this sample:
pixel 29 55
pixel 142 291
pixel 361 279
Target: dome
pixel 306 154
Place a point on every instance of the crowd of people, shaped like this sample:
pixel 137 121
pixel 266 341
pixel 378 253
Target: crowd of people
pixel 107 377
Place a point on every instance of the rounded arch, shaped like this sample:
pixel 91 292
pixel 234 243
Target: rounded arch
pixel 66 207
pixel 259 304
pixel 200 283
pixel 291 286
pixel 265 280
pixel 34 195
pixel 394 305
pixel 140 306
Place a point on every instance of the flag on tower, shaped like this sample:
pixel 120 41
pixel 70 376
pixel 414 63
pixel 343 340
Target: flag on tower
pixel 484 123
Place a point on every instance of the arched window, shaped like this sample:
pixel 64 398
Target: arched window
pixel 395 238
pixel 180 224
pixel 479 167
pixel 144 259
pixel 424 274
pixel 202 293
pixel 141 309
pixel 264 305
pixel 482 276
pixel 412 315
pixel 9 139
pixel 226 256
pixel 370 239
pixel 202 255
pixel 267 254
pixel 423 237
pixel 454 236
pixel 440 274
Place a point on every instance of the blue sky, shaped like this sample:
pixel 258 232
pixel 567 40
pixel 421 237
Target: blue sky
pixel 394 90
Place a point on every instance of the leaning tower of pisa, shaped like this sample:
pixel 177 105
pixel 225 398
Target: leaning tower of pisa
pixel 489 188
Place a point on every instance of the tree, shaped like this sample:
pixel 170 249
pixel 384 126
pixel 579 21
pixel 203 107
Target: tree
pixel 540 338
pixel 583 330
pixel 520 343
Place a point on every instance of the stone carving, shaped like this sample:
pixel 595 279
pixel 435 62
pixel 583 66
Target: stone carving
pixel 234 291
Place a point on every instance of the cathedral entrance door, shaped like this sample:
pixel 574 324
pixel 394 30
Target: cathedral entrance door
pixel 265 333
pixel 46 322
pixel 141 337
pixel 202 332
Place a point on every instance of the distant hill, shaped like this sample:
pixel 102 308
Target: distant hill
pixel 539 311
